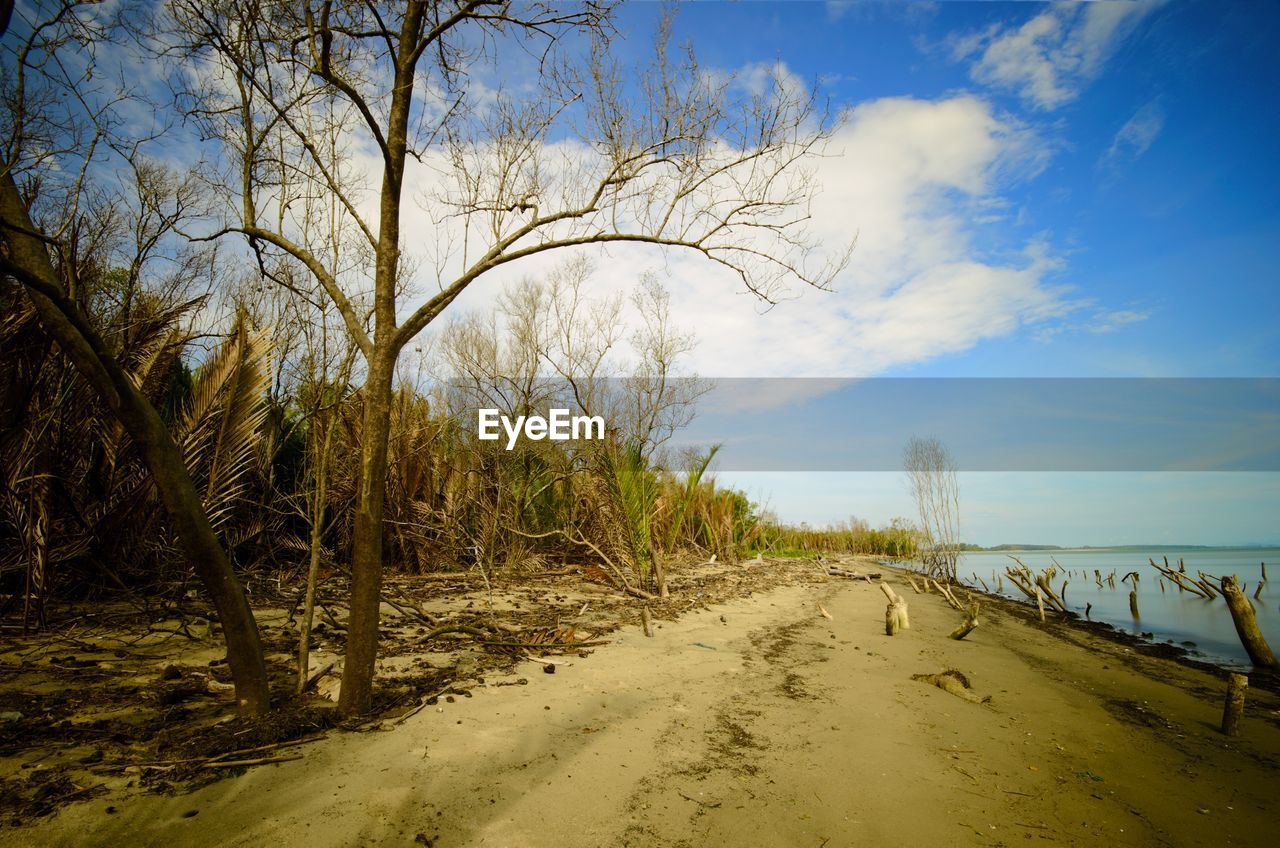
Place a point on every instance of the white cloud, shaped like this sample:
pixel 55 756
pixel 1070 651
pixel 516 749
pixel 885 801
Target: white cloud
pixel 911 179
pixel 837 9
pixel 1097 321
pixel 1108 321
pixel 908 177
pixel 1049 59
pixel 1136 136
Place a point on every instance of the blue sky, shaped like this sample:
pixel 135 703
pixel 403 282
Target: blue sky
pixel 1123 183
pixel 1176 221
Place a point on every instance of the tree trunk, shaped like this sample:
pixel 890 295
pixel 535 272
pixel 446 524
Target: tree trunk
pixel 28 261
pixel 366 552
pixel 1255 644
pixel 1233 708
pixel 318 502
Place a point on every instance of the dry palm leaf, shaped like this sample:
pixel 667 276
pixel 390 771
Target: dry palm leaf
pixel 222 424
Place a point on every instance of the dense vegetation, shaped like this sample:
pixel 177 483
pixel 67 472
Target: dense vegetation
pixel 260 423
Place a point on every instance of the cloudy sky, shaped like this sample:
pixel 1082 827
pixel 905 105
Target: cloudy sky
pixel 1036 191
pixel 1073 190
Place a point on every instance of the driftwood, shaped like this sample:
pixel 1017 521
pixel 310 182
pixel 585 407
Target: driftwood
pixel 1017 580
pixel 837 571
pixel 1043 583
pixel 954 682
pixel 314 677
pixel 1133 604
pixel 646 622
pixel 224 760
pixel 1208 581
pixel 1233 709
pixel 895 615
pixel 259 761
pixel 424 703
pixel 1179 579
pixel 1255 644
pixel 945 592
pixel 914 587
pixel 623 583
pixel 824 612
pixel 486 638
pixel 970 622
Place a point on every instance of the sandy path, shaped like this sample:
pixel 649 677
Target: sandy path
pixel 770 727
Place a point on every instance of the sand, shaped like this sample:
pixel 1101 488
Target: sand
pixel 762 723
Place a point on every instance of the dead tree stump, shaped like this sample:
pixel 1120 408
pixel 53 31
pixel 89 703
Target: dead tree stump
pixel 895 615
pixel 1233 709
pixel 1255 644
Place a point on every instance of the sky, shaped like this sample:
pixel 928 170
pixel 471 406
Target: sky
pixel 1077 190
pixel 1085 190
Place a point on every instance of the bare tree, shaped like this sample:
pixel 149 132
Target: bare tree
pixel 591 154
pixel 931 477
pixel 658 399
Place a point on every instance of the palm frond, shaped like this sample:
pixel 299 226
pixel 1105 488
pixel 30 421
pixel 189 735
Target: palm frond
pixel 222 425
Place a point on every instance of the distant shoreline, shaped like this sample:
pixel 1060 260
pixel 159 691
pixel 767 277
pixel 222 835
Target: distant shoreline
pixel 1000 549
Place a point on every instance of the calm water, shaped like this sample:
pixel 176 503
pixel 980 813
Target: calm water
pixel 1169 616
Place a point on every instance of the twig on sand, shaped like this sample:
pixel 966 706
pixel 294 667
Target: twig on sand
pixel 259 761
pixel 707 804
pixel 220 760
pixel 448 684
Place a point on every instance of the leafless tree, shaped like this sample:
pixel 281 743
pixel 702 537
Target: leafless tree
pixel 657 398
pixel 584 152
pixel 935 488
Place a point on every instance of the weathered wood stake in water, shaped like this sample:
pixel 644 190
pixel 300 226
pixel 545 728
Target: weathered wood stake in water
pixel 1133 604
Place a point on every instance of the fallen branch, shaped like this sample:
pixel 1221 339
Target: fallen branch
pixel 970 622
pixel 260 761
pixel 218 761
pixel 314 677
pixel 424 703
pixel 617 572
pixel 837 571
pixel 707 804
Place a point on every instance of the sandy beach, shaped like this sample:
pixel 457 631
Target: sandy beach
pixel 761 722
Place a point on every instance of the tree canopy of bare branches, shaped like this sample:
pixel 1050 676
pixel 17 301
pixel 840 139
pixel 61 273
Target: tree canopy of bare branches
pixel 935 488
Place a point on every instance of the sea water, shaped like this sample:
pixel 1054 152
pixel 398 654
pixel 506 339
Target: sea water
pixel 1177 617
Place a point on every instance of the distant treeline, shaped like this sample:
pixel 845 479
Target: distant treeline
pixel 1128 548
